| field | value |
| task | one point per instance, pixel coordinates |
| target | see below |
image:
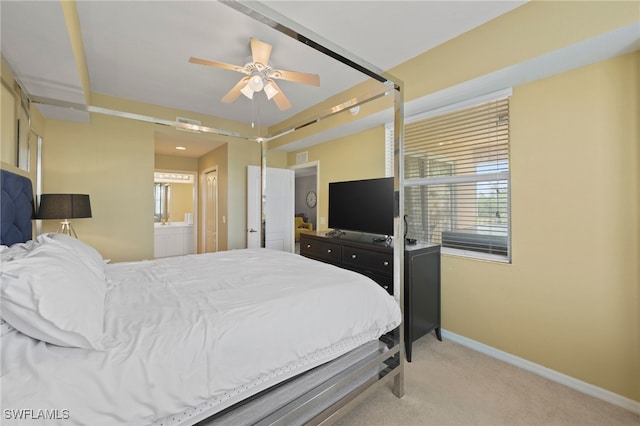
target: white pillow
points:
(84, 252)
(50, 296)
(16, 251)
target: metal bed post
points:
(398, 247)
(284, 25)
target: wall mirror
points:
(16, 126)
(174, 197)
(352, 122)
(351, 96)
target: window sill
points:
(474, 255)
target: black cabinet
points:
(375, 260)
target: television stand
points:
(374, 260)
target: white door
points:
(280, 206)
(211, 212)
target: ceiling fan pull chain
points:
(258, 113)
(253, 124)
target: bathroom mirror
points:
(173, 197)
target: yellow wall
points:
(175, 163)
(241, 154)
(180, 201)
(531, 30)
(112, 160)
(9, 128)
(569, 301)
(358, 156)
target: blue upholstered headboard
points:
(16, 208)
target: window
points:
(457, 180)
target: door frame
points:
(203, 196)
(194, 173)
(283, 218)
(315, 164)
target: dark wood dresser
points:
(375, 260)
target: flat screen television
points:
(362, 205)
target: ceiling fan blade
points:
(233, 94)
(260, 51)
(298, 77)
(217, 64)
(280, 99)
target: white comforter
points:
(195, 331)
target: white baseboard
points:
(555, 376)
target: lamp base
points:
(66, 228)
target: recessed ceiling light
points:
(181, 148)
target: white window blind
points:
(457, 180)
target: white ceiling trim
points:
(618, 42)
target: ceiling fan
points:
(260, 76)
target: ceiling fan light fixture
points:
(256, 83)
(247, 90)
(270, 91)
(259, 75)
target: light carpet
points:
(449, 384)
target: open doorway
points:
(174, 206)
(306, 199)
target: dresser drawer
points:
(384, 281)
(368, 260)
(321, 250)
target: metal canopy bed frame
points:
(318, 396)
(329, 390)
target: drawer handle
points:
(386, 263)
(329, 250)
(308, 245)
(353, 256)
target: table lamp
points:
(64, 206)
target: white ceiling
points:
(139, 50)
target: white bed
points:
(180, 336)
